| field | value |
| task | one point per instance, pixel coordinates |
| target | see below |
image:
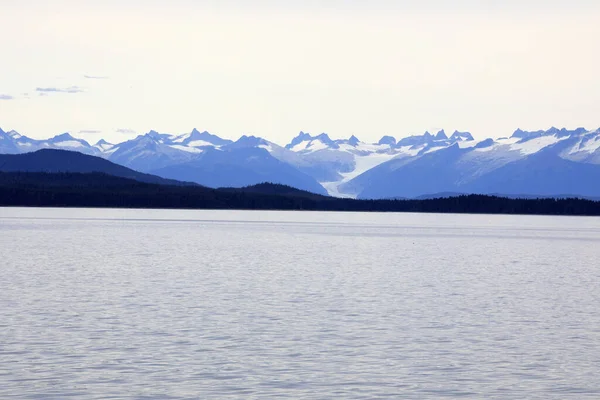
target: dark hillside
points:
(101, 190)
(52, 161)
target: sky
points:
(115, 69)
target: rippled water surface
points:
(98, 304)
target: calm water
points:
(98, 304)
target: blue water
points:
(111, 304)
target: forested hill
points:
(56, 161)
(100, 190)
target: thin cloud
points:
(124, 130)
(95, 77)
(70, 89)
(91, 131)
(6, 97)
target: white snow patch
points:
(185, 148)
(181, 138)
(104, 146)
(591, 145)
(409, 150)
(467, 144)
(267, 147)
(300, 146)
(364, 147)
(310, 146)
(434, 149)
(316, 145)
(200, 143)
(372, 147)
(510, 140)
(69, 143)
(534, 145)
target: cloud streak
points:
(124, 130)
(6, 97)
(92, 131)
(95, 77)
(70, 89)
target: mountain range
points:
(553, 162)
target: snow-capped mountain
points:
(7, 143)
(67, 142)
(550, 162)
(23, 144)
(238, 166)
(104, 147)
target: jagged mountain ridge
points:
(406, 167)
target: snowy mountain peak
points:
(441, 135)
(62, 137)
(159, 137)
(461, 136)
(323, 137)
(302, 137)
(389, 140)
(249, 141)
(14, 134)
(416, 140)
(200, 139)
(553, 131)
(353, 141)
(576, 132)
(527, 135)
(103, 146)
(196, 134)
(304, 142)
(518, 133)
(143, 140)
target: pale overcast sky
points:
(115, 69)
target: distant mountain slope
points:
(52, 161)
(7, 144)
(541, 163)
(410, 177)
(541, 174)
(239, 167)
(148, 152)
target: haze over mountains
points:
(554, 162)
